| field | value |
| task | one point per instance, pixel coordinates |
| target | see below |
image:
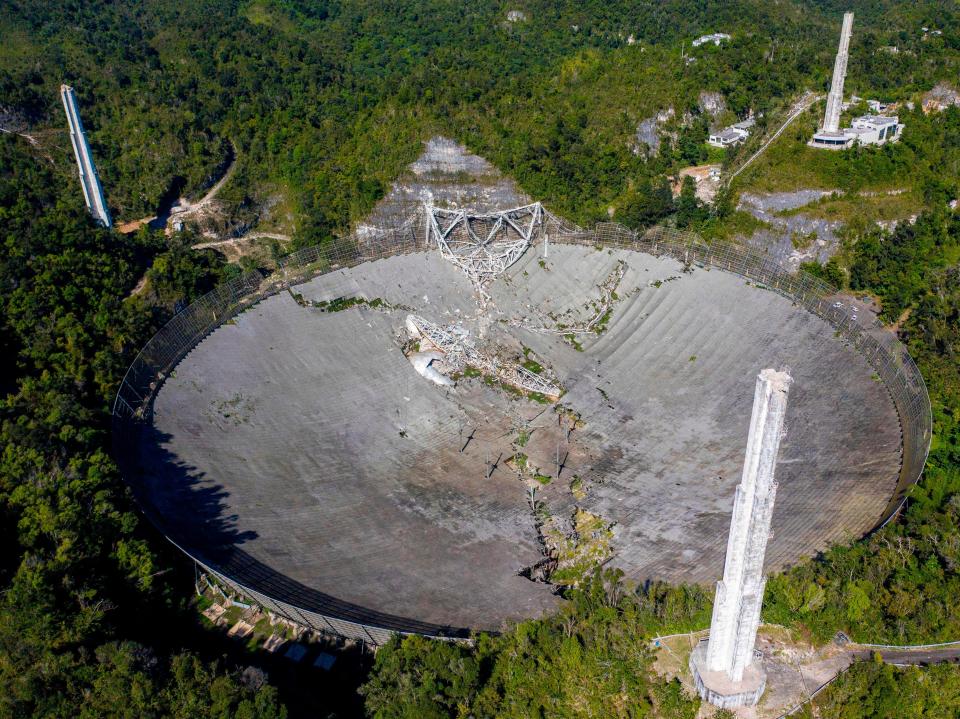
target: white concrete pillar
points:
(831, 118)
(739, 596)
(89, 180)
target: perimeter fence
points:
(132, 409)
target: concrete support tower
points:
(89, 181)
(724, 668)
(831, 118)
(830, 135)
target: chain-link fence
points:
(309, 607)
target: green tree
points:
(689, 209)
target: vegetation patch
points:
(533, 366)
(601, 326)
(735, 224)
(576, 546)
(574, 342)
(803, 240)
(340, 304)
(578, 488)
(862, 211)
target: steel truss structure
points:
(483, 245)
(458, 352)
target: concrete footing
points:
(719, 690)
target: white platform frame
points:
(483, 255)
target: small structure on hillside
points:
(716, 38)
(732, 135)
(727, 137)
(726, 669)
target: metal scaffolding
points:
(458, 353)
(484, 245)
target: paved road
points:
(905, 657)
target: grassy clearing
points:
(789, 165)
(869, 208)
(259, 13)
(736, 224)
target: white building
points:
(716, 38)
(875, 129)
(733, 135)
(727, 137)
(865, 130)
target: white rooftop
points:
(876, 120)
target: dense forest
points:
(323, 104)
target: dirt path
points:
(235, 241)
(233, 248)
(29, 138)
(904, 316)
(218, 185)
(184, 208)
(32, 140)
(141, 285)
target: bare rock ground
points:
(446, 175)
(793, 239)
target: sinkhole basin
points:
(297, 451)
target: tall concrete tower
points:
(831, 118)
(830, 136)
(725, 669)
(89, 181)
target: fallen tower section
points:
(89, 180)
